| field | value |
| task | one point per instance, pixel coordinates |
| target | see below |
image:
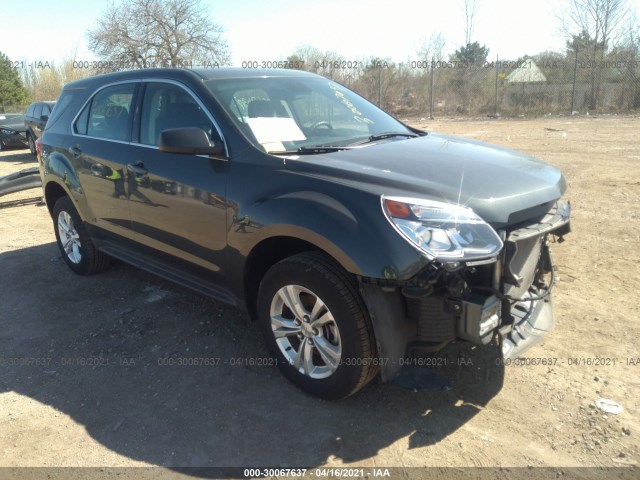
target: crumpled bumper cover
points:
(532, 321)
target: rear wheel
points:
(32, 144)
(74, 241)
(316, 326)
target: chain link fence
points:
(553, 83)
(431, 88)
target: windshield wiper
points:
(382, 136)
(336, 148)
(311, 150)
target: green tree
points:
(472, 54)
(469, 75)
(12, 93)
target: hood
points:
(501, 185)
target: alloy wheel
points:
(305, 331)
(69, 237)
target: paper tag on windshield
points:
(275, 130)
(273, 146)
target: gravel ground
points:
(84, 379)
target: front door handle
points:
(138, 169)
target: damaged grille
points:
(524, 249)
(433, 322)
(521, 264)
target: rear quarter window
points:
(66, 97)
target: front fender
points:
(355, 232)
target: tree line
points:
(602, 48)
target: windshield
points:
(287, 114)
(11, 119)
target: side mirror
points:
(44, 118)
(189, 140)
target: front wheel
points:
(74, 241)
(316, 326)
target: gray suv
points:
(353, 239)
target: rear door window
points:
(108, 114)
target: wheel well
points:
(52, 193)
(262, 258)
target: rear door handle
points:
(138, 169)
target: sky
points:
(272, 29)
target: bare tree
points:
(431, 48)
(628, 54)
(146, 33)
(599, 21)
(470, 10)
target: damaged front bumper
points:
(528, 259)
(510, 296)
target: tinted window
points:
(168, 106)
(60, 106)
(108, 113)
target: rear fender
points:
(56, 168)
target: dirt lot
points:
(81, 383)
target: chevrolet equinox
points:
(349, 236)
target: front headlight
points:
(442, 231)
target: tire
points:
(78, 251)
(326, 349)
(32, 144)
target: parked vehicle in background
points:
(35, 119)
(349, 236)
(12, 130)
